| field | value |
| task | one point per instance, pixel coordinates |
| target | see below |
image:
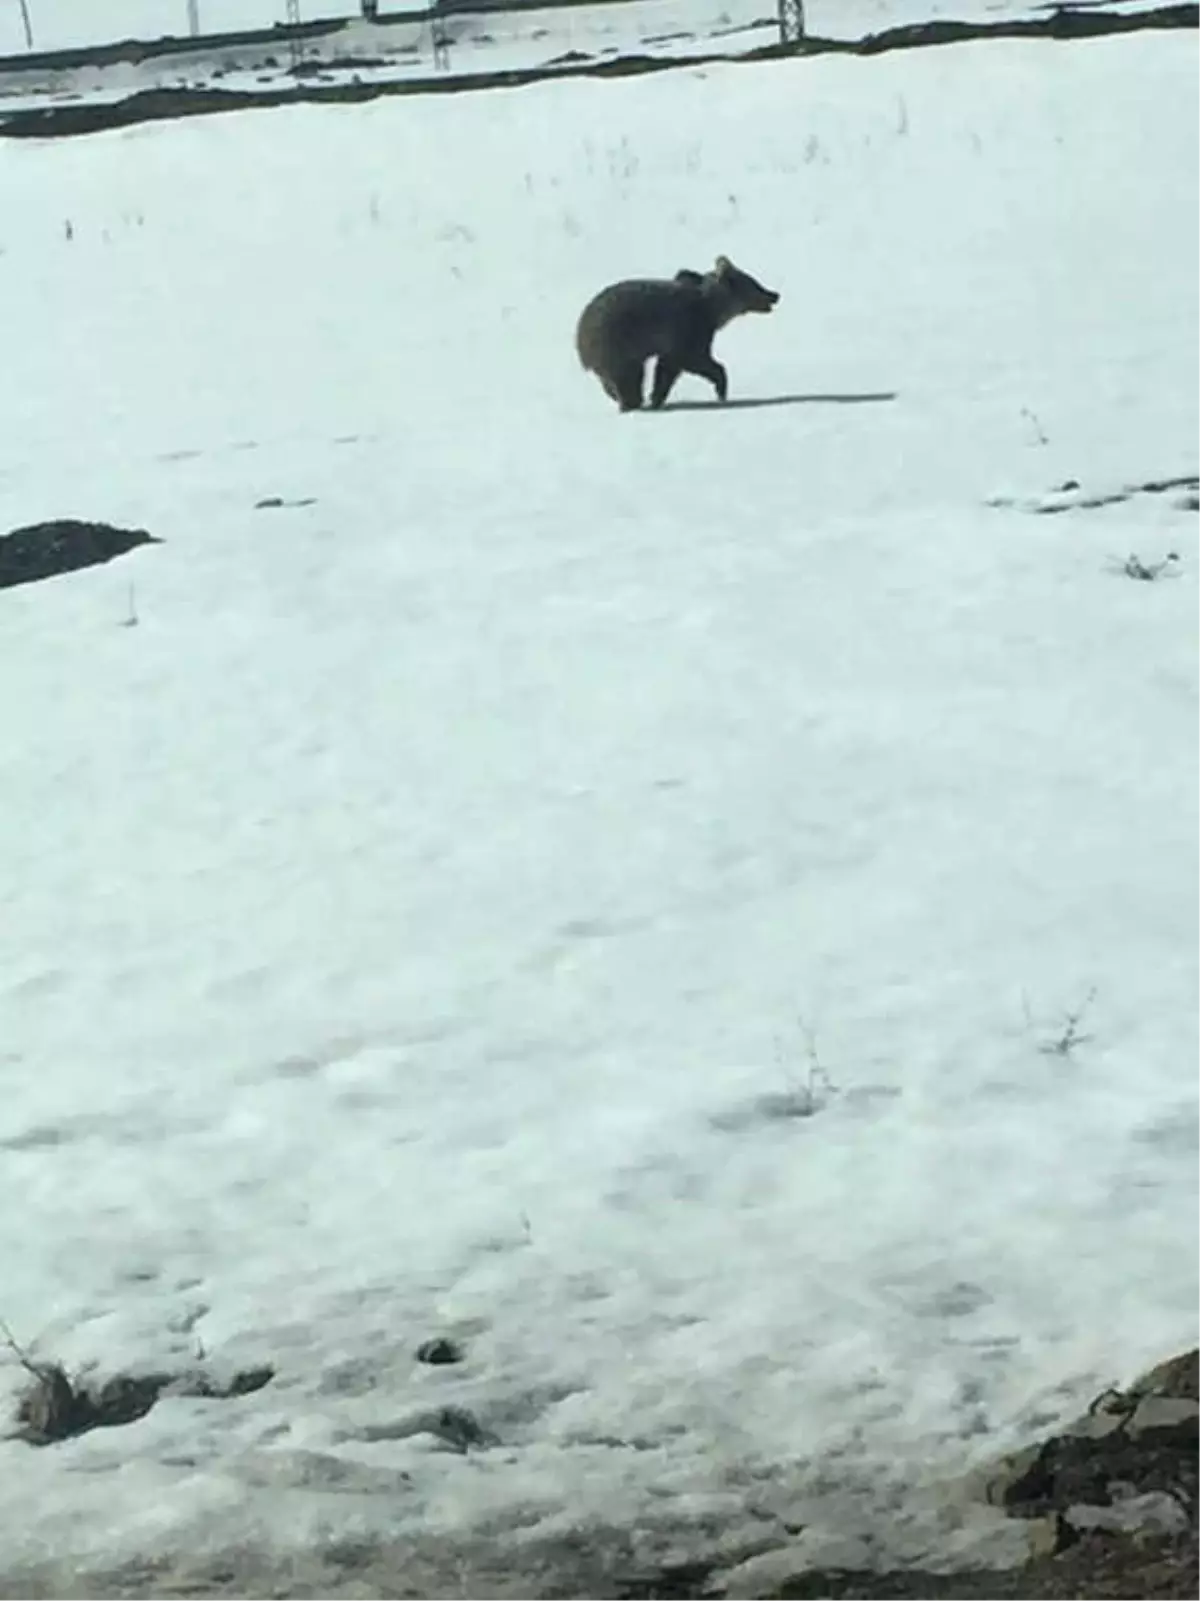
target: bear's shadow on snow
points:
(751, 401)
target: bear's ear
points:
(723, 266)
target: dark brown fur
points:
(671, 319)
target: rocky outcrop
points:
(1112, 1500)
(43, 550)
(1132, 1454)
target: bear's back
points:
(638, 318)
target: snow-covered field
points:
(429, 919)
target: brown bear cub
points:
(673, 319)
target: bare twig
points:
(1071, 1035)
(48, 1409)
(19, 1351)
(817, 1087)
(1037, 427)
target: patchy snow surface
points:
(63, 24)
(428, 917)
(483, 41)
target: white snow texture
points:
(608, 889)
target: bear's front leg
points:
(708, 367)
(666, 370)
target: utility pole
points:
(791, 21)
(28, 25)
(441, 39)
(194, 17)
(292, 20)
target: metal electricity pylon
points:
(441, 43)
(791, 21)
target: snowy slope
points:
(428, 917)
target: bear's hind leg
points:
(627, 383)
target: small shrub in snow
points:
(1070, 1034)
(49, 1409)
(801, 1098)
(1134, 567)
(53, 1408)
(804, 1099)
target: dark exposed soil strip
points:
(44, 550)
(160, 104)
(54, 1409)
(1049, 506)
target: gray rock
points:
(1156, 1513)
(1162, 1412)
(43, 550)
